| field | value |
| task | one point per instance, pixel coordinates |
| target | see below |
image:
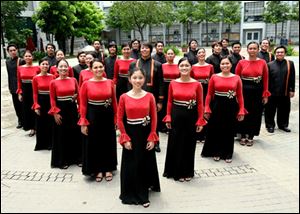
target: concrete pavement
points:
(262, 178)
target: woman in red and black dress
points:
(254, 74)
(98, 118)
(53, 70)
(41, 106)
(170, 72)
(66, 145)
(88, 73)
(25, 74)
(137, 123)
(224, 105)
(121, 70)
(184, 118)
(202, 72)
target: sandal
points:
(31, 134)
(216, 158)
(181, 179)
(243, 141)
(188, 179)
(250, 143)
(99, 177)
(108, 176)
(228, 160)
(145, 205)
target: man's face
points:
(97, 45)
(112, 50)
(145, 51)
(12, 51)
(236, 48)
(50, 50)
(159, 48)
(280, 54)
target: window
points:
(254, 11)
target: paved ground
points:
(262, 178)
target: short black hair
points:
(79, 53)
(226, 57)
(183, 59)
(131, 71)
(281, 46)
(11, 45)
(51, 44)
(236, 43)
(43, 59)
(192, 40)
(149, 45)
(159, 42)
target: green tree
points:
(114, 18)
(231, 14)
(276, 12)
(168, 16)
(56, 18)
(88, 22)
(11, 25)
(212, 13)
(294, 15)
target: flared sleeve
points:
(240, 98)
(210, 94)
(19, 90)
(201, 121)
(83, 105)
(54, 109)
(265, 76)
(153, 137)
(35, 94)
(121, 112)
(167, 118)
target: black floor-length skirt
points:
(220, 128)
(252, 93)
(121, 86)
(44, 124)
(138, 167)
(181, 146)
(28, 113)
(67, 141)
(100, 146)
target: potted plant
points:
(184, 48)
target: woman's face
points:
(88, 59)
(201, 54)
(145, 51)
(28, 58)
(194, 45)
(225, 65)
(81, 58)
(170, 56)
(185, 68)
(252, 49)
(137, 79)
(126, 51)
(59, 55)
(62, 69)
(98, 69)
(135, 45)
(217, 49)
(44, 66)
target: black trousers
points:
(18, 107)
(281, 104)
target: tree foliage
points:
(12, 26)
(276, 12)
(231, 13)
(295, 11)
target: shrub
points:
(37, 55)
(174, 48)
(290, 51)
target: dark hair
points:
(95, 60)
(226, 57)
(63, 59)
(112, 44)
(92, 53)
(148, 44)
(11, 45)
(265, 40)
(58, 51)
(28, 51)
(135, 40)
(97, 40)
(183, 59)
(51, 44)
(201, 49)
(135, 69)
(216, 43)
(159, 42)
(281, 46)
(192, 40)
(227, 40)
(79, 53)
(43, 59)
(253, 42)
(236, 43)
(125, 44)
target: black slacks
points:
(18, 107)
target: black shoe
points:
(286, 129)
(157, 148)
(19, 126)
(270, 130)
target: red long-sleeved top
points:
(202, 72)
(121, 67)
(62, 88)
(225, 84)
(26, 73)
(86, 75)
(134, 109)
(185, 91)
(96, 91)
(170, 71)
(254, 68)
(53, 70)
(40, 83)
